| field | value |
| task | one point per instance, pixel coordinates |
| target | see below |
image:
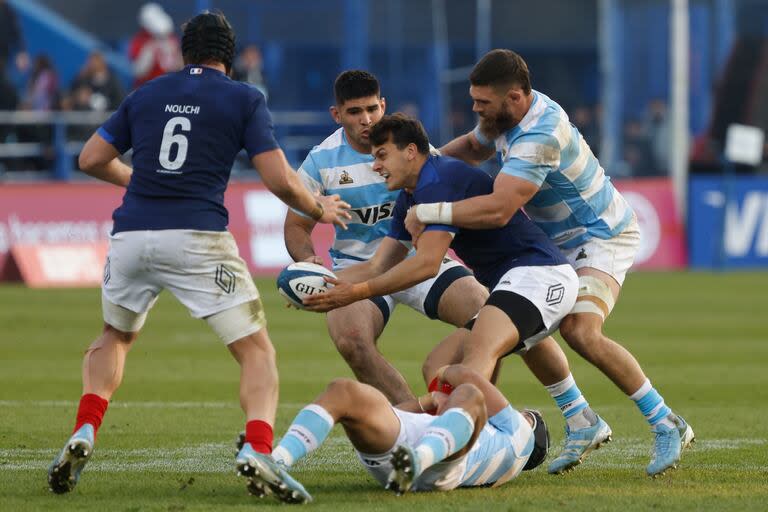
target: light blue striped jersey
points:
(577, 201)
(335, 167)
(501, 450)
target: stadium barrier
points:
(36, 220)
(60, 265)
(662, 235)
(50, 215)
(728, 222)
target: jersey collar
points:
(206, 69)
(428, 173)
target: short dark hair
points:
(403, 129)
(354, 84)
(208, 37)
(501, 68)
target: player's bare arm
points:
(466, 147)
(389, 253)
(423, 265)
(494, 210)
(297, 231)
(282, 181)
(100, 159)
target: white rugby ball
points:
(302, 279)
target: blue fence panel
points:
(728, 222)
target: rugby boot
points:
(265, 477)
(578, 444)
(669, 445)
(65, 469)
(405, 469)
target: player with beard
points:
(549, 168)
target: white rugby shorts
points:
(202, 269)
(613, 256)
(552, 289)
(418, 296)
(443, 476)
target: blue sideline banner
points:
(728, 222)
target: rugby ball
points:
(299, 280)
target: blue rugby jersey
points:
(490, 253)
(577, 201)
(335, 167)
(185, 129)
(501, 451)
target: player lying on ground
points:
(171, 230)
(532, 285)
(342, 164)
(476, 439)
(549, 168)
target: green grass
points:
(166, 442)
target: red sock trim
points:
(444, 387)
(259, 434)
(91, 410)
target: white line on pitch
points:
(336, 455)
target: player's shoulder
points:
(335, 151)
(453, 170)
(544, 123)
(333, 143)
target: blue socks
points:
(571, 402)
(651, 405)
(446, 435)
(308, 431)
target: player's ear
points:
(412, 150)
(514, 95)
(383, 103)
(335, 114)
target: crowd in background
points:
(154, 49)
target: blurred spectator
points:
(40, 94)
(11, 44)
(656, 125)
(585, 119)
(248, 68)
(155, 49)
(96, 84)
(42, 91)
(637, 155)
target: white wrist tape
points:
(435, 213)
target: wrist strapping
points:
(435, 213)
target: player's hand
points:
(334, 210)
(343, 293)
(414, 226)
(439, 400)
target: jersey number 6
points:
(169, 139)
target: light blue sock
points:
(571, 402)
(307, 432)
(651, 405)
(446, 435)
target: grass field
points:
(167, 439)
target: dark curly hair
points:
(354, 84)
(403, 130)
(208, 37)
